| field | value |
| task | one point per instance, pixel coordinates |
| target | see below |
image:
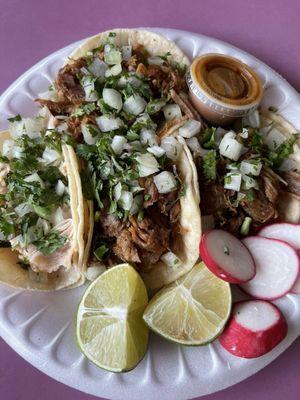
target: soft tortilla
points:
(288, 204)
(155, 44)
(11, 272)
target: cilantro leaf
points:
(50, 243)
(209, 166)
(100, 252)
(17, 118)
(284, 150)
(208, 139)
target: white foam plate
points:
(40, 326)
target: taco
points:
(123, 95)
(249, 173)
(41, 231)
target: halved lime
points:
(110, 330)
(192, 310)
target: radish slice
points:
(254, 329)
(277, 268)
(289, 233)
(226, 256)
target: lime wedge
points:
(110, 330)
(192, 310)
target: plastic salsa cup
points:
(223, 88)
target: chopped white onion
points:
(113, 71)
(194, 145)
(249, 182)
(35, 178)
(98, 68)
(113, 98)
(135, 104)
(251, 167)
(190, 128)
(88, 85)
(31, 127)
(157, 151)
(155, 106)
(107, 48)
(172, 147)
(230, 147)
(49, 156)
(219, 133)
(118, 144)
(87, 135)
(107, 124)
(233, 181)
(155, 60)
(252, 119)
(126, 52)
(288, 164)
(172, 111)
(165, 182)
(145, 119)
(44, 224)
(126, 200)
(23, 209)
(94, 271)
(171, 260)
(131, 79)
(49, 95)
(60, 188)
(233, 166)
(62, 127)
(136, 204)
(10, 150)
(113, 57)
(117, 191)
(244, 134)
(147, 164)
(147, 136)
(57, 217)
(274, 139)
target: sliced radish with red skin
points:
(289, 233)
(226, 256)
(277, 268)
(254, 329)
(285, 231)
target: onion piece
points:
(249, 182)
(107, 123)
(230, 147)
(137, 204)
(126, 200)
(113, 71)
(244, 134)
(157, 151)
(57, 217)
(288, 164)
(147, 136)
(172, 147)
(147, 164)
(88, 84)
(118, 144)
(113, 98)
(117, 191)
(44, 224)
(252, 119)
(274, 139)
(88, 132)
(233, 181)
(126, 52)
(35, 178)
(49, 156)
(194, 145)
(60, 188)
(190, 128)
(172, 111)
(165, 182)
(23, 209)
(113, 57)
(98, 68)
(10, 150)
(134, 105)
(155, 60)
(171, 260)
(251, 167)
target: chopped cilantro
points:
(15, 119)
(112, 34)
(50, 243)
(282, 152)
(273, 109)
(208, 139)
(209, 166)
(86, 109)
(100, 252)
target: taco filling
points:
(245, 172)
(123, 106)
(35, 215)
